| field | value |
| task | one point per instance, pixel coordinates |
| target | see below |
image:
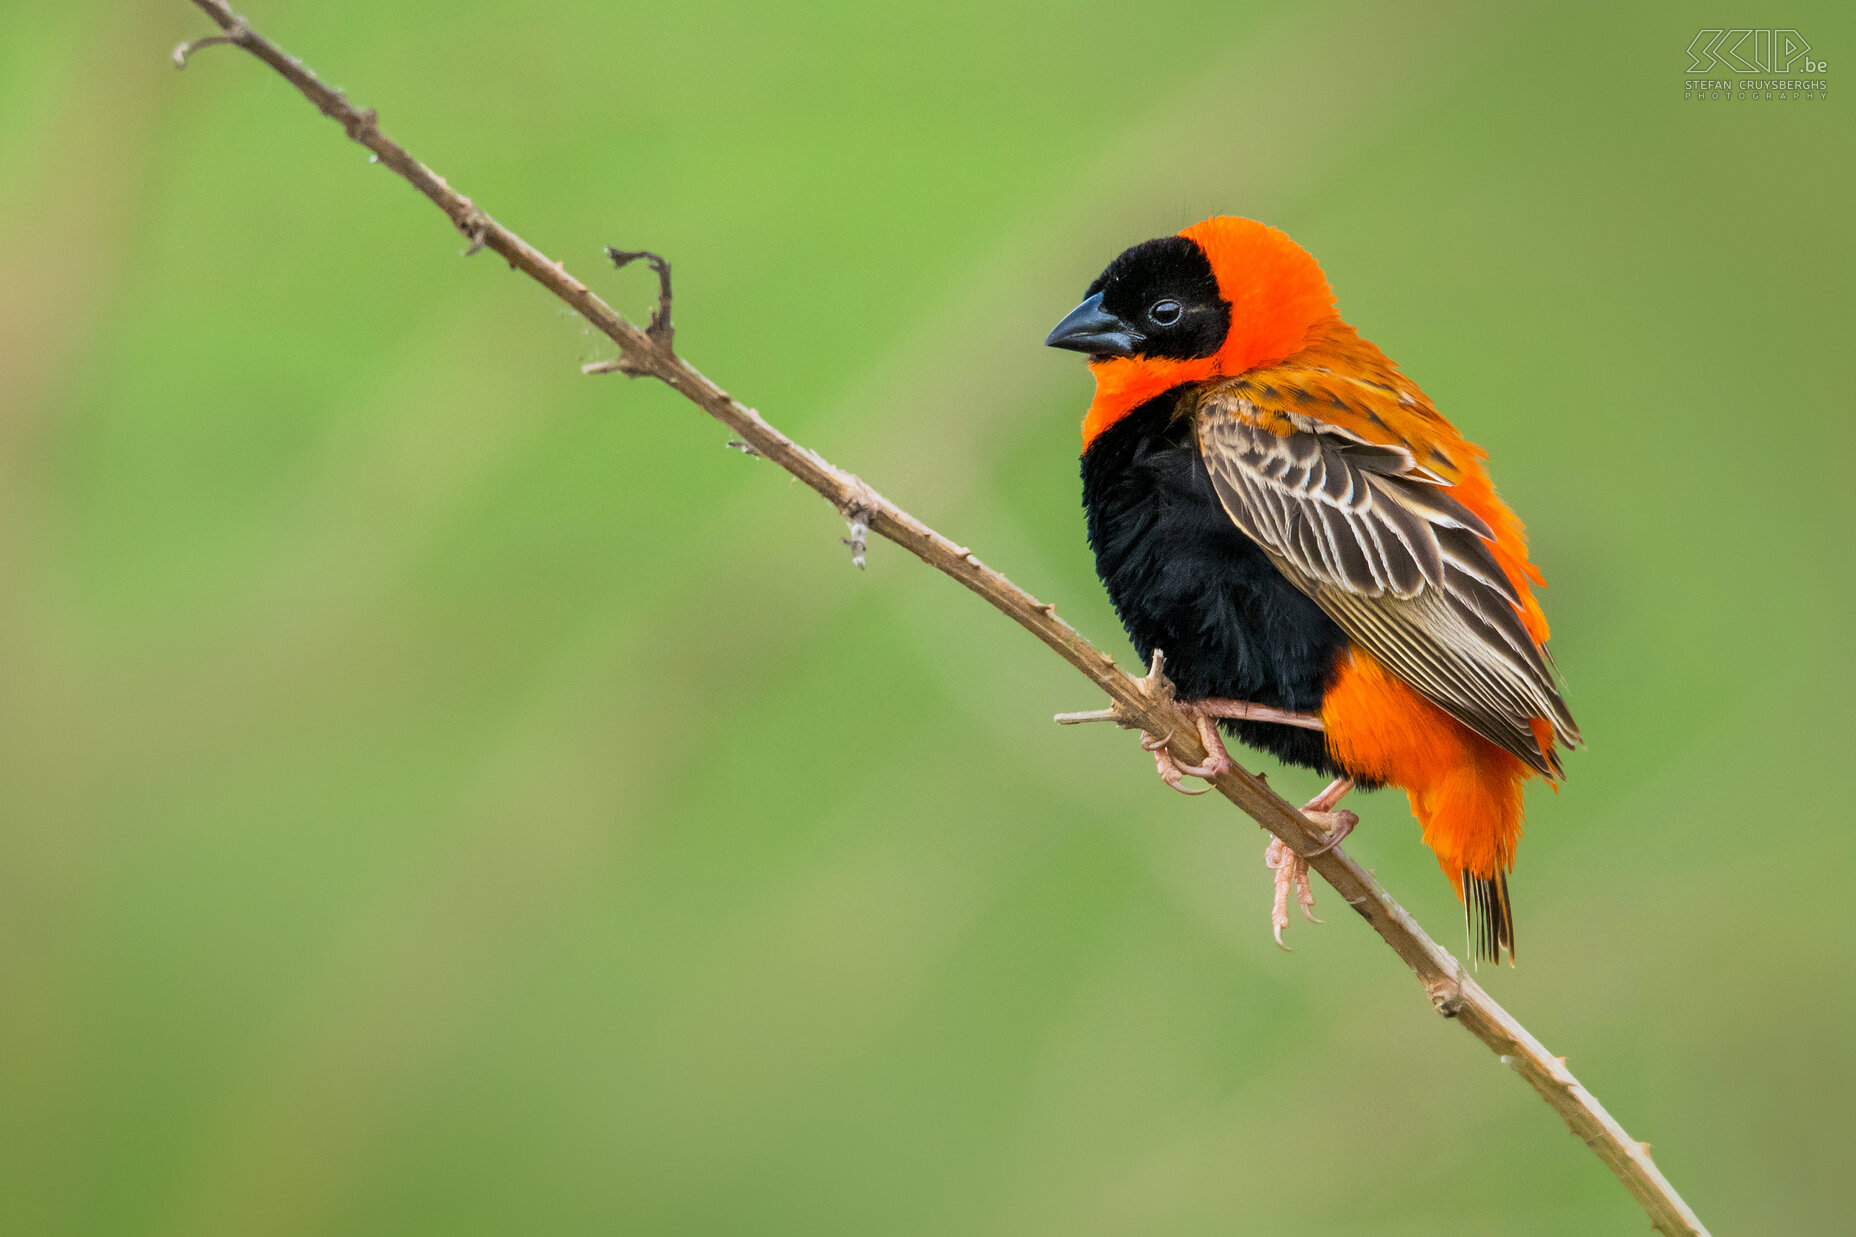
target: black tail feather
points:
(1490, 917)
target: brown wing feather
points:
(1384, 549)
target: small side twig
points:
(658, 329)
(236, 33)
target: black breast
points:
(1184, 580)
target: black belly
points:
(1184, 580)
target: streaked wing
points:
(1392, 557)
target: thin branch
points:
(1144, 703)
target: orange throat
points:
(1125, 383)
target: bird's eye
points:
(1165, 313)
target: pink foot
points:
(1217, 759)
(1291, 869)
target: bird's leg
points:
(1320, 810)
(1291, 869)
(1245, 711)
(1217, 759)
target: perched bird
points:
(1319, 554)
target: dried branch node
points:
(476, 229)
(361, 124)
(1446, 993)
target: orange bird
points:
(1320, 555)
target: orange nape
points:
(1464, 790)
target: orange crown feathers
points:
(1276, 289)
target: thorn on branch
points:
(236, 35)
(361, 124)
(659, 329)
(1446, 994)
(1154, 684)
(746, 448)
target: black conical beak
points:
(1094, 330)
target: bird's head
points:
(1219, 299)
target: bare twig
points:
(1142, 703)
(237, 32)
(659, 328)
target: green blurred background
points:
(443, 793)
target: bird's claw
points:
(1291, 869)
(1291, 874)
(1337, 825)
(1171, 771)
(1217, 760)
